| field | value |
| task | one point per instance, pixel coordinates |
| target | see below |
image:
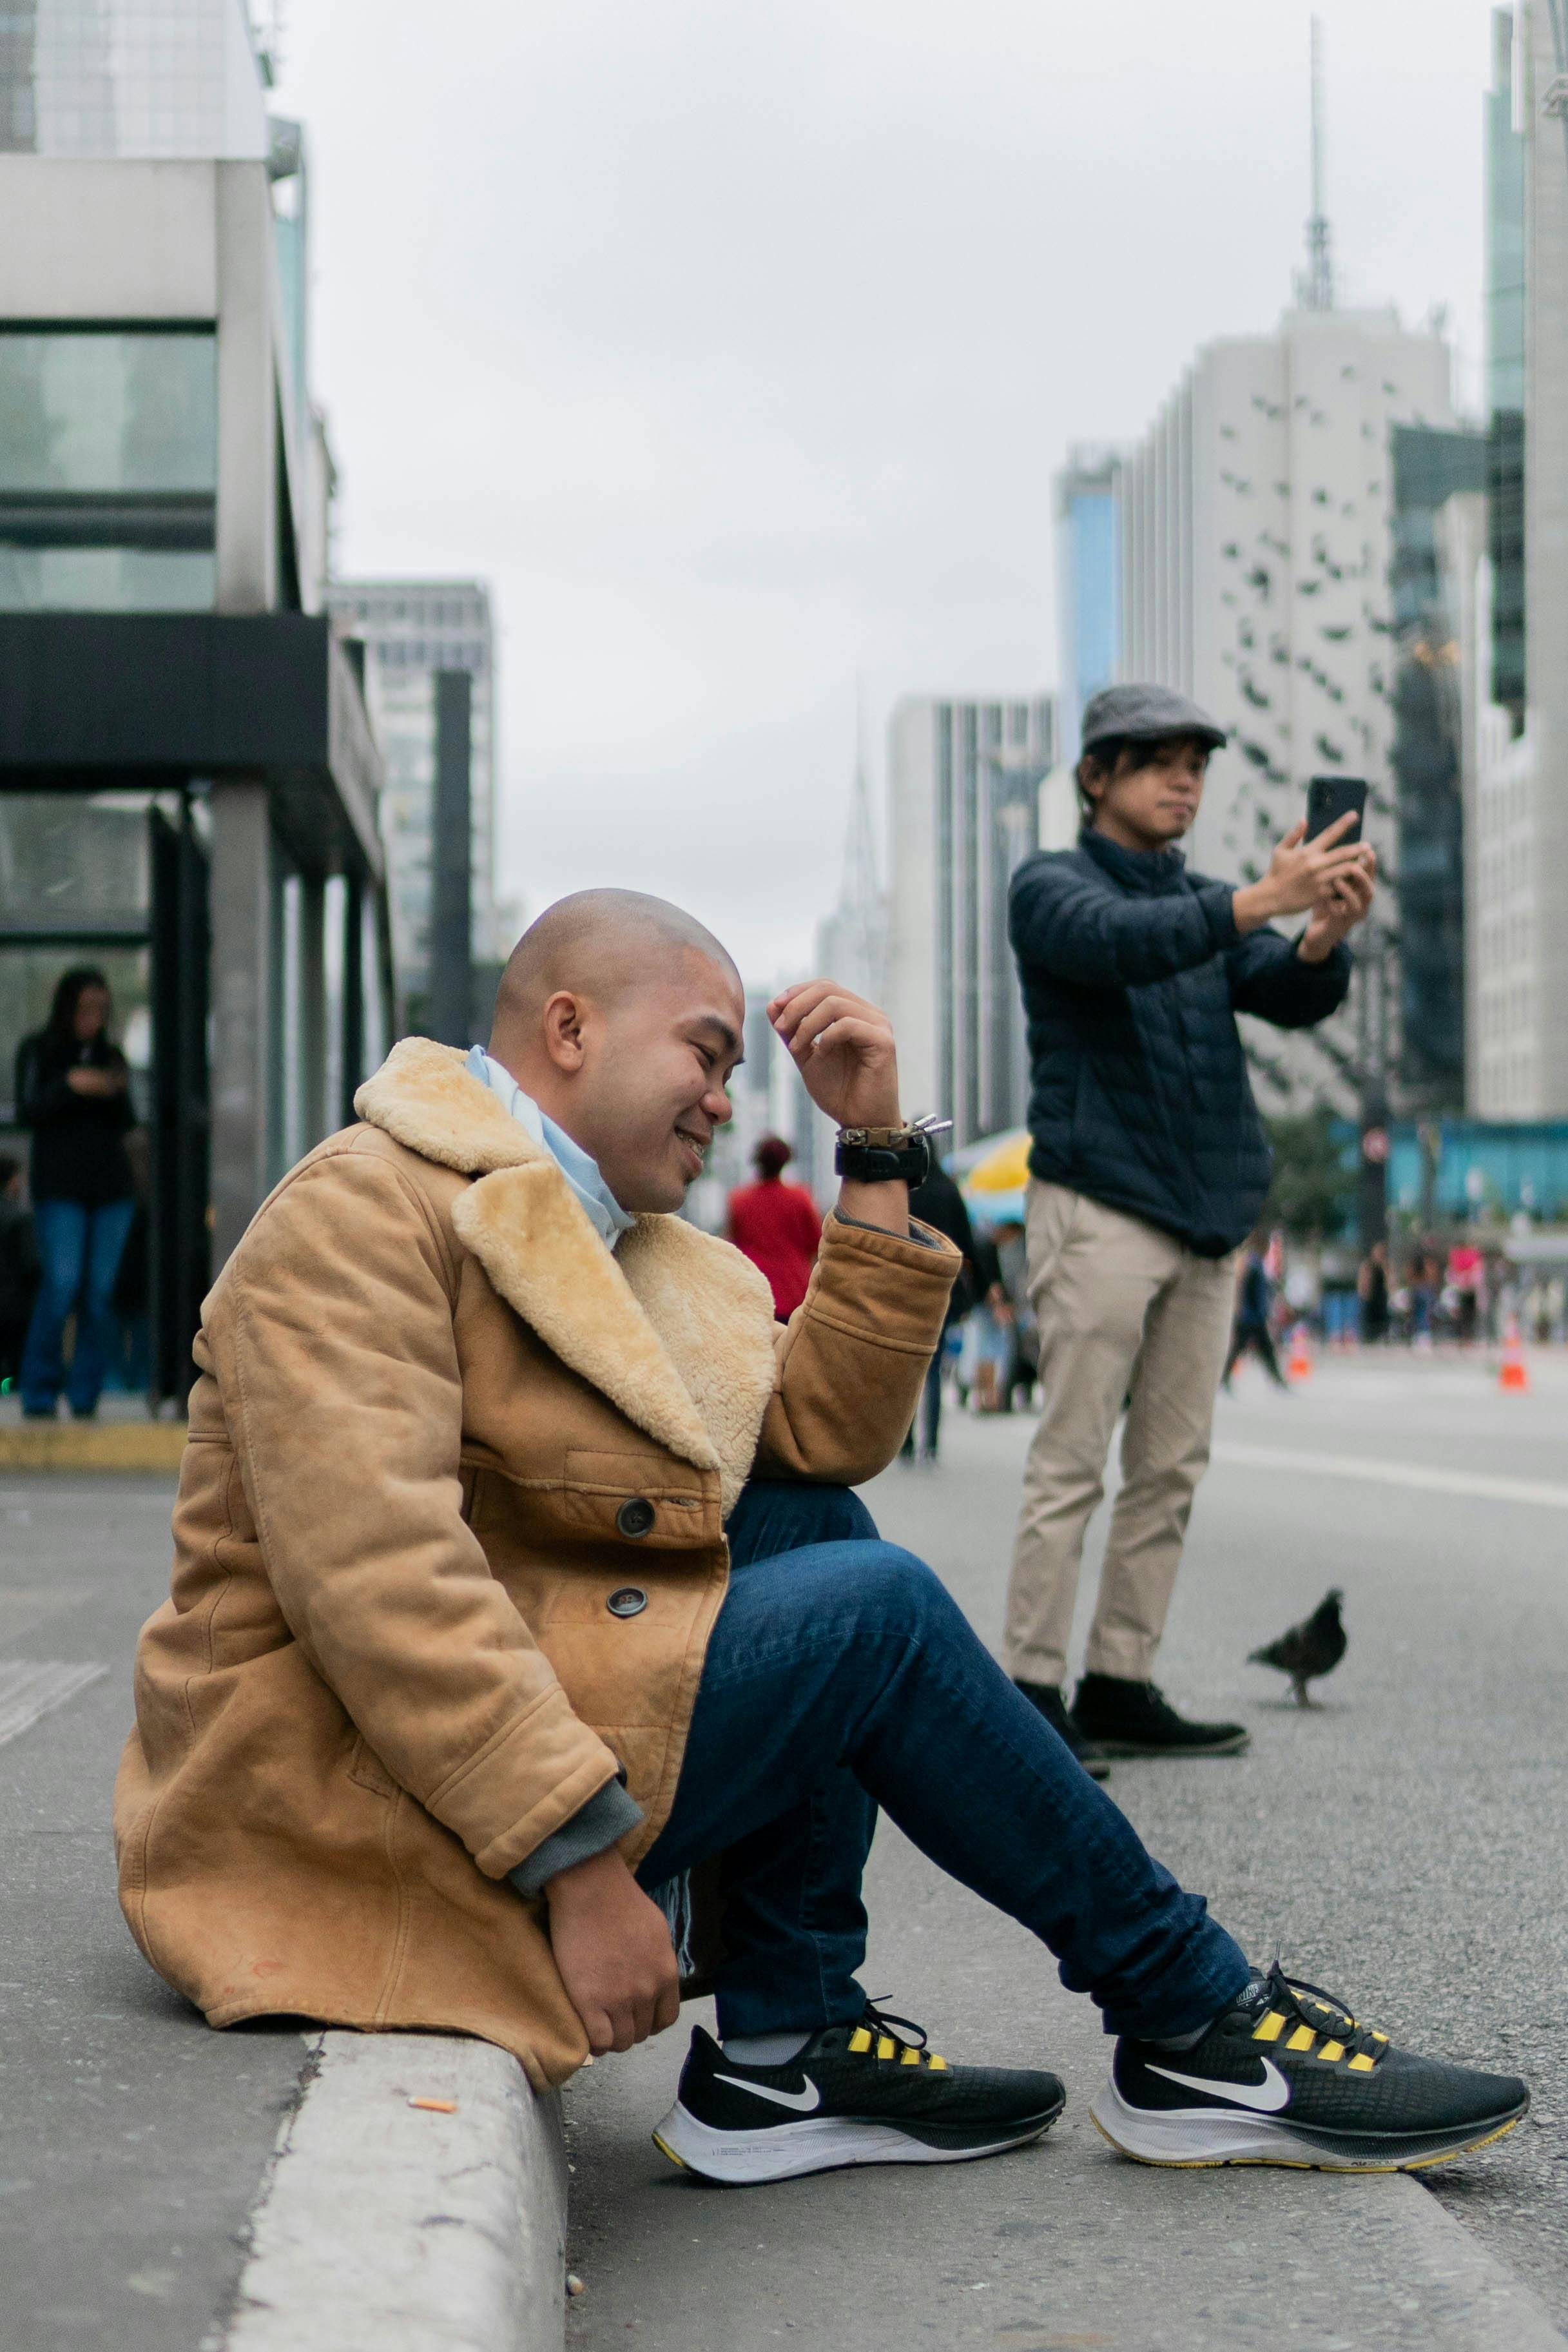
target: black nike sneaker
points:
(1289, 2078)
(866, 2094)
(1048, 1699)
(1119, 1718)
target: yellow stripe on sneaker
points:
(884, 2045)
(910, 2058)
(1361, 2063)
(859, 2040)
(1269, 2028)
(937, 2065)
(1302, 2038)
(1332, 2051)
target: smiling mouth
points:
(696, 1145)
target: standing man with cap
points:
(1148, 1167)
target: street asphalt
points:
(132, 2139)
(1402, 1842)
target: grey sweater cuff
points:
(863, 1225)
(609, 1813)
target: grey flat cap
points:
(1146, 712)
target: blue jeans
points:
(79, 1250)
(841, 1676)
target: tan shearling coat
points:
(386, 1671)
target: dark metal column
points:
(353, 995)
(451, 921)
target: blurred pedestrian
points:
(1467, 1280)
(1148, 1165)
(1425, 1283)
(939, 1203)
(1023, 1359)
(1253, 1329)
(1372, 1295)
(18, 1270)
(776, 1225)
(73, 1092)
(987, 1336)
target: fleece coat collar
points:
(676, 1329)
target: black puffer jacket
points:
(1132, 974)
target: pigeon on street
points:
(1313, 1647)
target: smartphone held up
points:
(1332, 797)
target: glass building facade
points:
(109, 449)
(1429, 466)
(1505, 329)
(127, 77)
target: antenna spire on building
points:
(861, 901)
(1315, 287)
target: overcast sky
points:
(736, 341)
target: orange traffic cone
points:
(1513, 1372)
(1300, 1367)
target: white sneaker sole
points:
(1207, 2135)
(825, 2144)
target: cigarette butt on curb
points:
(435, 2106)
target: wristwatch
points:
(888, 1155)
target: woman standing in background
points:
(73, 1095)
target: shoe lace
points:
(1320, 2012)
(898, 2039)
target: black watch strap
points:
(882, 1155)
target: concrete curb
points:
(93, 1446)
(1476, 2304)
(384, 2227)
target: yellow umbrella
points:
(991, 1176)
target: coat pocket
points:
(636, 1499)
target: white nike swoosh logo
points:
(802, 2101)
(1269, 2095)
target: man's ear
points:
(562, 1028)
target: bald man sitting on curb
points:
(517, 1575)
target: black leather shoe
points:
(1047, 1698)
(1128, 1719)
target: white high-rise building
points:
(1516, 914)
(964, 779)
(1255, 541)
(410, 630)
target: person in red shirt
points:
(776, 1225)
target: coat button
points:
(629, 1602)
(636, 1516)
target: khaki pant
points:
(1125, 1310)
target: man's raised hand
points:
(1346, 902)
(1304, 873)
(843, 1048)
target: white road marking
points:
(30, 1688)
(1425, 1477)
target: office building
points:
(1517, 601)
(1088, 584)
(1430, 467)
(411, 629)
(964, 781)
(188, 780)
(1257, 539)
